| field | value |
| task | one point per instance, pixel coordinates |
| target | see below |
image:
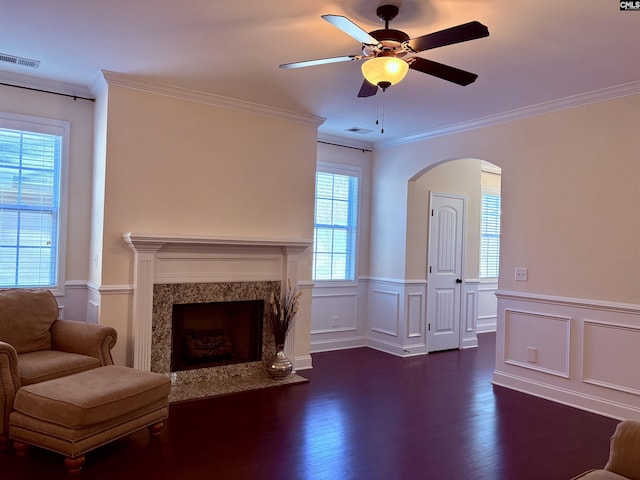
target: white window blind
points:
(335, 226)
(30, 167)
(490, 236)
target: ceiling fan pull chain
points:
(382, 123)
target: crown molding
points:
(573, 101)
(127, 81)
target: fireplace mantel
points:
(154, 242)
(167, 259)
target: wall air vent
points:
(359, 130)
(25, 62)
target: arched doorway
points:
(477, 183)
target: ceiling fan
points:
(388, 52)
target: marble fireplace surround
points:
(167, 295)
(202, 269)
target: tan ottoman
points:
(74, 414)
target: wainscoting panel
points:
(487, 306)
(415, 315)
(334, 312)
(579, 352)
(338, 317)
(469, 314)
(396, 312)
(537, 341)
(385, 312)
(603, 365)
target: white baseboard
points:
(302, 363)
(398, 351)
(486, 325)
(589, 403)
(469, 342)
(318, 346)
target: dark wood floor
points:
(364, 415)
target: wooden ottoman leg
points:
(156, 428)
(74, 465)
(20, 448)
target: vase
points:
(279, 366)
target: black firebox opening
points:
(217, 333)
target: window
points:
(30, 185)
(490, 236)
(334, 246)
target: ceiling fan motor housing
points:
(391, 40)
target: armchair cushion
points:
(36, 367)
(26, 317)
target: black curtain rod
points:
(75, 97)
(345, 146)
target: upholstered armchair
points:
(36, 346)
(624, 455)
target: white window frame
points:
(488, 191)
(352, 171)
(49, 126)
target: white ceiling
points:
(538, 51)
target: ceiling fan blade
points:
(350, 28)
(367, 89)
(321, 61)
(439, 70)
(448, 36)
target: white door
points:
(444, 284)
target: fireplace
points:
(178, 269)
(216, 333)
(170, 269)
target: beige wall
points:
(570, 198)
(460, 177)
(490, 180)
(183, 167)
(175, 166)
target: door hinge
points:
(428, 327)
(429, 268)
(432, 212)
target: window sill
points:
(335, 283)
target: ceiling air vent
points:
(359, 130)
(25, 62)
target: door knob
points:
(458, 280)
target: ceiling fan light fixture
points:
(384, 71)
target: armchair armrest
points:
(625, 445)
(84, 338)
(9, 385)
